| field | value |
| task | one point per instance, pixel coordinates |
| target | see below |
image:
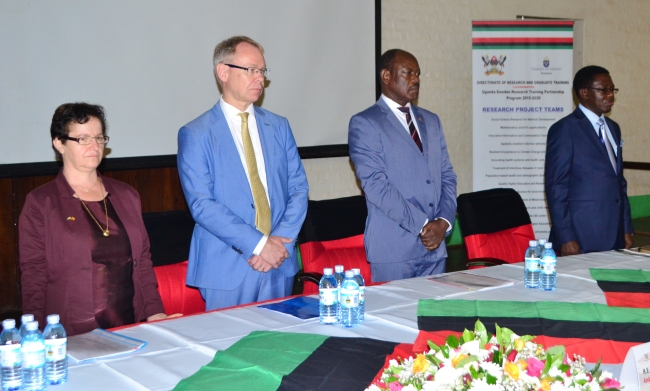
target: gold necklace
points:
(106, 232)
(91, 187)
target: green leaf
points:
(466, 361)
(497, 357)
(548, 364)
(474, 373)
(445, 351)
(433, 359)
(491, 379)
(498, 332)
(467, 336)
(527, 338)
(452, 341)
(480, 330)
(433, 346)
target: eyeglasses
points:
(605, 91)
(252, 71)
(86, 140)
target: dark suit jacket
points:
(55, 255)
(587, 200)
(403, 186)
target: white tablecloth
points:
(177, 348)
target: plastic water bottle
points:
(339, 276)
(349, 303)
(362, 293)
(329, 298)
(11, 359)
(540, 246)
(548, 278)
(56, 351)
(33, 355)
(23, 323)
(531, 265)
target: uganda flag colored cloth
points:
(588, 329)
(269, 360)
(624, 288)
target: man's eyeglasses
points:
(252, 71)
(85, 140)
(605, 91)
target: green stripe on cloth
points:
(620, 275)
(256, 362)
(586, 312)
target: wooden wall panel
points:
(159, 189)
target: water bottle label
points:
(328, 296)
(548, 267)
(33, 356)
(362, 294)
(56, 349)
(349, 298)
(532, 264)
(11, 356)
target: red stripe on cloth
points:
(508, 245)
(611, 352)
(540, 41)
(628, 299)
(402, 350)
(519, 23)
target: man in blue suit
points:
(245, 186)
(400, 156)
(585, 188)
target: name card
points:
(635, 375)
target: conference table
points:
(177, 348)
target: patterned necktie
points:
(414, 133)
(262, 209)
(605, 141)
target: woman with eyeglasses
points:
(84, 250)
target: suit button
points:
(428, 181)
(431, 204)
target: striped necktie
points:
(605, 141)
(414, 133)
(262, 209)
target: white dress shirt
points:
(234, 123)
(593, 118)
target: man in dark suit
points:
(585, 188)
(245, 186)
(400, 156)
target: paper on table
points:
(470, 281)
(100, 343)
(300, 307)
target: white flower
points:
(555, 372)
(481, 385)
(373, 387)
(605, 375)
(493, 369)
(472, 348)
(410, 387)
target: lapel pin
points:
(71, 218)
(419, 118)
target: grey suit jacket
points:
(403, 186)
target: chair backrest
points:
(332, 234)
(495, 224)
(170, 235)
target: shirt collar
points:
(392, 104)
(230, 111)
(591, 116)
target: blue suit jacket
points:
(587, 200)
(403, 186)
(221, 202)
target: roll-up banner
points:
(522, 76)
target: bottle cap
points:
(338, 268)
(548, 245)
(26, 318)
(8, 324)
(327, 271)
(542, 241)
(356, 271)
(349, 273)
(532, 243)
(33, 325)
(53, 319)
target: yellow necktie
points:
(262, 209)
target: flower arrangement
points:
(501, 362)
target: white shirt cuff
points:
(258, 249)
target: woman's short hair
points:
(78, 113)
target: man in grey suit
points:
(400, 156)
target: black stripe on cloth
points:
(345, 364)
(632, 287)
(624, 332)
